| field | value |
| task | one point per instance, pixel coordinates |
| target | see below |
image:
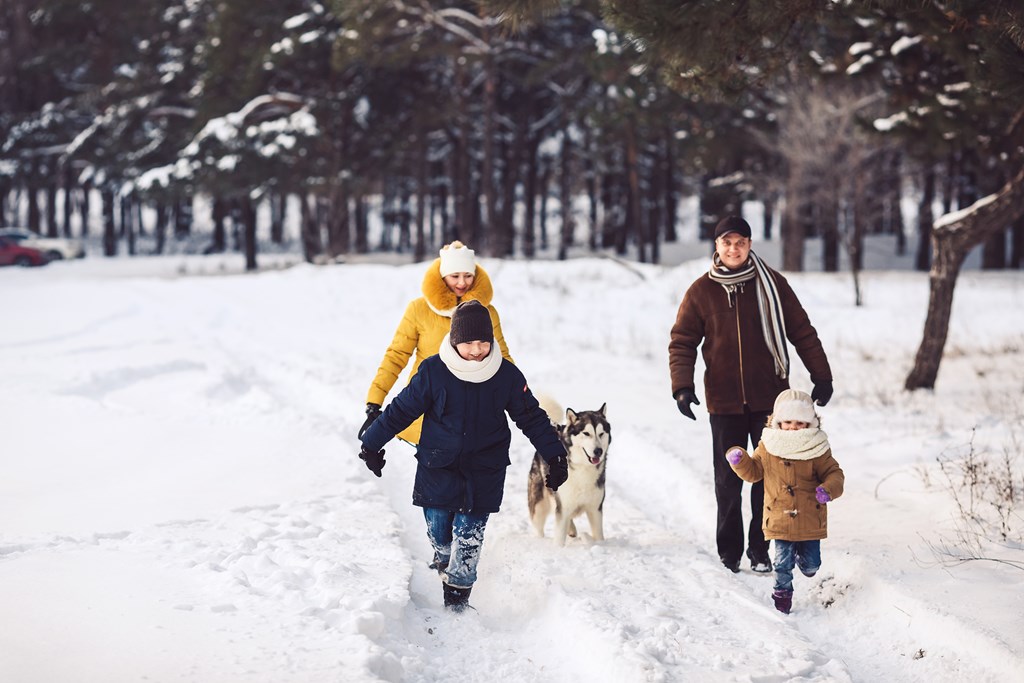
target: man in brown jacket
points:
(741, 313)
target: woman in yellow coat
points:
(452, 278)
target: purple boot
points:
(783, 600)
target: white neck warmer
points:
(475, 371)
(796, 444)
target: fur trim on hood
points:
(443, 301)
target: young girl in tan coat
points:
(800, 477)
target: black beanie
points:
(471, 322)
(732, 224)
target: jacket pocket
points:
(435, 458)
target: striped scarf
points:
(769, 305)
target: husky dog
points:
(586, 436)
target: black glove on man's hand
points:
(558, 472)
(821, 393)
(374, 461)
(372, 413)
(684, 397)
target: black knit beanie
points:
(471, 322)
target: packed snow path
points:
(182, 499)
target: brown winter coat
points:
(739, 366)
(791, 512)
(423, 326)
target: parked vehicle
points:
(54, 247)
(13, 254)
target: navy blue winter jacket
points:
(463, 451)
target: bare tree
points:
(826, 154)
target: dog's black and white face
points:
(587, 435)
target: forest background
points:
(518, 126)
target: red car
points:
(11, 254)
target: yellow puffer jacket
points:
(423, 326)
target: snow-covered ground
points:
(181, 499)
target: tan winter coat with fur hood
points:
(791, 512)
(423, 326)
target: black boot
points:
(456, 599)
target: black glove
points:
(684, 397)
(374, 461)
(558, 472)
(372, 413)
(821, 393)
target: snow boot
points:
(761, 564)
(456, 599)
(783, 600)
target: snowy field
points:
(181, 499)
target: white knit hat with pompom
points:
(794, 406)
(457, 258)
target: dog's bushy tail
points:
(552, 408)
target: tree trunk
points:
(565, 197)
(1017, 244)
(182, 218)
(249, 219)
(218, 213)
(462, 162)
(69, 201)
(485, 236)
(671, 197)
(952, 240)
(443, 198)
(278, 204)
(590, 182)
(422, 193)
(530, 197)
(829, 226)
(128, 223)
(893, 204)
(309, 230)
(32, 195)
(161, 227)
(109, 228)
(504, 231)
(792, 229)
(51, 208)
(769, 217)
(545, 183)
(637, 225)
(718, 198)
(86, 207)
(362, 237)
(655, 198)
(925, 219)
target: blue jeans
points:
(456, 538)
(803, 554)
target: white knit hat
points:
(457, 258)
(794, 406)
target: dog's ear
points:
(603, 410)
(570, 416)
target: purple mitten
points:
(822, 495)
(734, 455)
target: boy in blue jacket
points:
(463, 394)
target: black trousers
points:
(728, 431)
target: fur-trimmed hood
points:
(443, 301)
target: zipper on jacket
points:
(739, 345)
